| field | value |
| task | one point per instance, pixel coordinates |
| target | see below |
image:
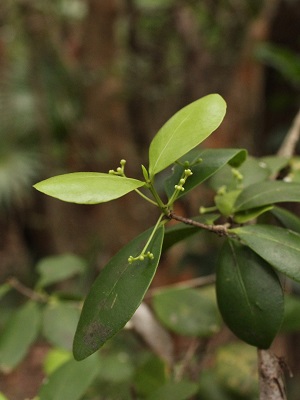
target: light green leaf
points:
(55, 358)
(71, 380)
(278, 246)
(249, 294)
(116, 294)
(185, 130)
(59, 323)
(87, 187)
(264, 193)
(2, 397)
(245, 216)
(55, 269)
(20, 332)
(189, 312)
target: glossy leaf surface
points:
(249, 295)
(71, 380)
(116, 294)
(185, 130)
(278, 246)
(18, 335)
(212, 161)
(263, 193)
(87, 187)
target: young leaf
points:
(263, 193)
(249, 294)
(87, 187)
(55, 269)
(71, 380)
(212, 161)
(20, 332)
(116, 294)
(288, 219)
(185, 130)
(278, 246)
(245, 216)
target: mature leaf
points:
(71, 380)
(278, 246)
(212, 161)
(225, 201)
(116, 294)
(55, 358)
(20, 332)
(57, 268)
(59, 323)
(151, 375)
(183, 390)
(181, 231)
(252, 171)
(288, 219)
(185, 130)
(275, 163)
(87, 187)
(249, 295)
(270, 192)
(189, 312)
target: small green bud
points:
(141, 257)
(186, 164)
(119, 169)
(122, 162)
(130, 259)
(111, 171)
(182, 181)
(188, 172)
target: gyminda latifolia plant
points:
(253, 257)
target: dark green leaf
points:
(278, 246)
(275, 163)
(249, 295)
(55, 269)
(189, 312)
(252, 171)
(20, 332)
(264, 193)
(71, 380)
(87, 187)
(116, 294)
(150, 376)
(185, 130)
(212, 161)
(181, 231)
(59, 323)
(288, 219)
(291, 321)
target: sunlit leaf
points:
(278, 246)
(212, 160)
(18, 335)
(185, 130)
(71, 380)
(249, 294)
(87, 187)
(116, 294)
(57, 268)
(188, 312)
(263, 193)
(55, 358)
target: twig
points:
(220, 230)
(26, 291)
(288, 146)
(271, 376)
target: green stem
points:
(146, 197)
(152, 233)
(159, 203)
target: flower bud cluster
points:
(187, 173)
(120, 170)
(141, 257)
